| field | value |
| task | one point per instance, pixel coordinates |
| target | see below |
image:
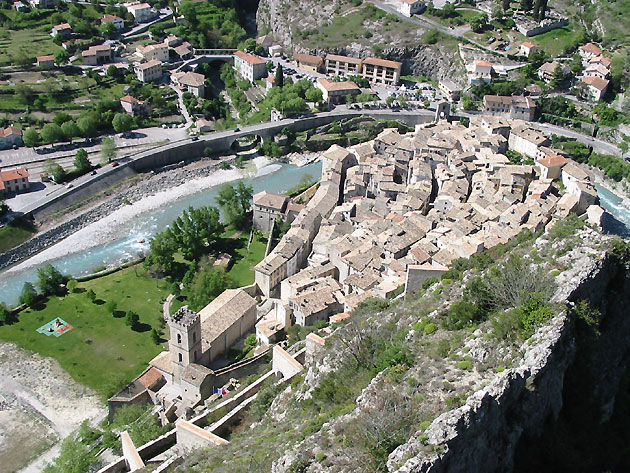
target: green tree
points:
(28, 295)
(81, 161)
(25, 93)
(132, 319)
(70, 130)
(74, 457)
(122, 122)
(207, 285)
(52, 133)
(278, 80)
(88, 125)
(49, 279)
(155, 336)
(478, 23)
(558, 77)
(108, 150)
(61, 57)
(162, 250)
(72, 285)
(110, 306)
(91, 295)
(314, 95)
(196, 231)
(108, 29)
(235, 201)
(59, 174)
(505, 4)
(526, 5)
(30, 137)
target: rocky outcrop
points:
(486, 433)
(287, 24)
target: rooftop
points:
(331, 86)
(249, 58)
(270, 200)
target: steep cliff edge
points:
(337, 26)
(530, 418)
(418, 386)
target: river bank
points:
(195, 176)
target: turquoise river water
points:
(126, 238)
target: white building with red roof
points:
(594, 87)
(479, 72)
(9, 137)
(249, 66)
(117, 21)
(14, 180)
(410, 7)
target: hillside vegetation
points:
(398, 364)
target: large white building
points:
(142, 12)
(410, 7)
(157, 51)
(149, 71)
(249, 67)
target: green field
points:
(32, 42)
(555, 41)
(15, 233)
(101, 351)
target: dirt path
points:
(44, 406)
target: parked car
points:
(69, 185)
(195, 138)
(115, 163)
(237, 129)
(93, 173)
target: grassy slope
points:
(101, 351)
(14, 234)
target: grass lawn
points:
(15, 233)
(555, 41)
(33, 42)
(242, 272)
(101, 351)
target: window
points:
(179, 338)
(194, 337)
(181, 358)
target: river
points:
(124, 234)
(118, 238)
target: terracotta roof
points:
(129, 98)
(139, 6)
(336, 57)
(382, 62)
(249, 58)
(62, 26)
(192, 79)
(183, 49)
(48, 57)
(410, 2)
(597, 82)
(339, 317)
(148, 65)
(480, 62)
(266, 39)
(308, 59)
(529, 45)
(13, 174)
(600, 60)
(552, 161)
(591, 48)
(10, 131)
(330, 85)
(150, 378)
(228, 308)
(269, 199)
(107, 18)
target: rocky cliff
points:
(342, 27)
(401, 388)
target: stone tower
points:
(185, 342)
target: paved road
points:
(143, 136)
(180, 103)
(598, 145)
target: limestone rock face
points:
(287, 20)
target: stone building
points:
(268, 206)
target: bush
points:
(462, 314)
(72, 285)
(427, 283)
(91, 295)
(429, 328)
(566, 227)
(464, 365)
(532, 315)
